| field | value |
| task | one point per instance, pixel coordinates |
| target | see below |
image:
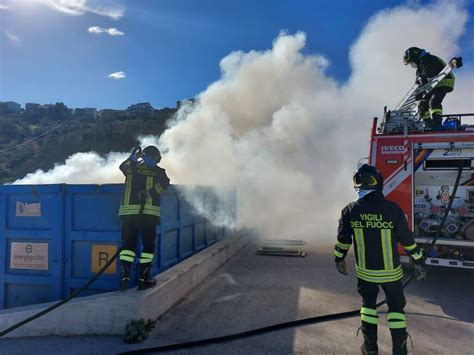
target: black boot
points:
(428, 124)
(437, 122)
(399, 341)
(369, 347)
(125, 275)
(145, 281)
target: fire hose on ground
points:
(245, 334)
(299, 322)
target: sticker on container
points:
(25, 209)
(101, 254)
(29, 256)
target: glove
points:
(137, 151)
(420, 272)
(341, 267)
(419, 96)
(421, 80)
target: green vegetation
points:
(31, 143)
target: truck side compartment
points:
(420, 169)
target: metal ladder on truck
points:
(409, 100)
(405, 116)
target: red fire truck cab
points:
(420, 169)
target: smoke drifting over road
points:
(287, 135)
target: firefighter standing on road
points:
(428, 66)
(140, 211)
(376, 225)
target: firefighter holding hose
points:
(376, 225)
(139, 210)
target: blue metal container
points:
(54, 238)
(169, 231)
(91, 236)
(30, 244)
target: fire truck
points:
(420, 169)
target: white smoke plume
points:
(287, 135)
(81, 168)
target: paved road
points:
(252, 291)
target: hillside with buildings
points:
(37, 136)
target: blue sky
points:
(169, 50)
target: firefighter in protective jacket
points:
(376, 225)
(145, 181)
(428, 66)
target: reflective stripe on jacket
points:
(143, 186)
(375, 226)
(430, 66)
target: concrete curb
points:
(109, 313)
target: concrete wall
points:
(109, 313)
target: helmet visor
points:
(365, 181)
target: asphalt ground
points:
(252, 291)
